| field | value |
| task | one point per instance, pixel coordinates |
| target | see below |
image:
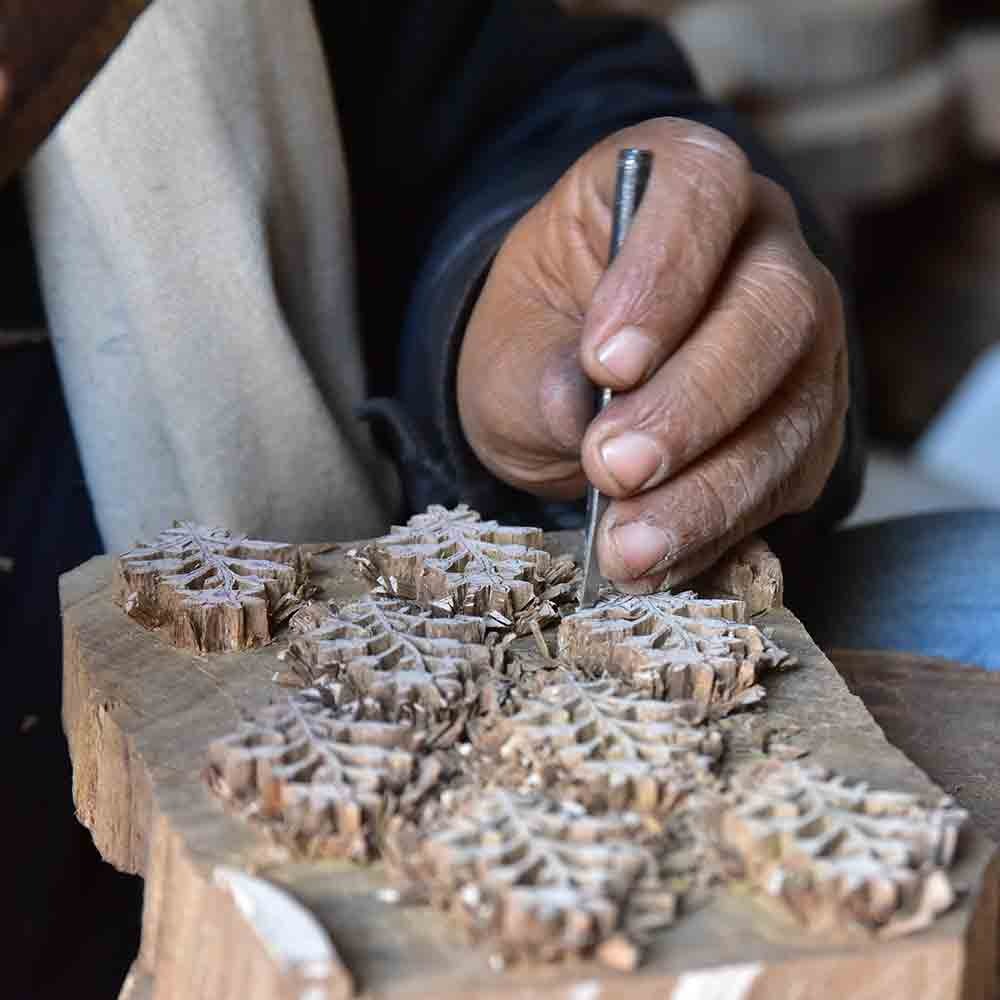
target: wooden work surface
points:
(944, 716)
(138, 715)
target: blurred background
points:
(888, 113)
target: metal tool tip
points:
(633, 155)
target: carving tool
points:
(630, 183)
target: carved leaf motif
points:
(671, 646)
(316, 774)
(539, 877)
(215, 590)
(399, 654)
(645, 612)
(836, 853)
(477, 566)
(621, 751)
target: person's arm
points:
(457, 122)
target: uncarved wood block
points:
(139, 715)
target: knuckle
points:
(709, 504)
(782, 294)
(692, 397)
(812, 413)
(717, 498)
(717, 168)
(797, 300)
(743, 488)
(808, 439)
(713, 389)
(711, 146)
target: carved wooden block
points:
(838, 855)
(568, 813)
(674, 646)
(618, 750)
(317, 775)
(752, 572)
(396, 653)
(212, 590)
(454, 558)
(538, 877)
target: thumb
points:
(523, 400)
(696, 202)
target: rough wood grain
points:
(139, 714)
(942, 715)
(751, 572)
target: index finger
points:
(697, 200)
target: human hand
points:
(719, 331)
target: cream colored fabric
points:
(191, 221)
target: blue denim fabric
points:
(925, 584)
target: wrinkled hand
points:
(719, 331)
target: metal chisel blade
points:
(630, 183)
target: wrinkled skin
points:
(719, 331)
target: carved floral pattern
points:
(671, 646)
(451, 555)
(543, 879)
(214, 590)
(836, 853)
(395, 652)
(556, 807)
(316, 773)
(621, 751)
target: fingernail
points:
(640, 546)
(631, 459)
(641, 587)
(627, 355)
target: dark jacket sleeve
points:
(457, 118)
